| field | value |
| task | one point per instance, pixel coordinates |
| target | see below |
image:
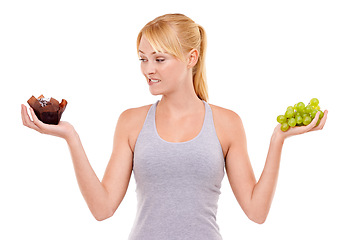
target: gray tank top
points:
(177, 184)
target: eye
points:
(142, 59)
(160, 60)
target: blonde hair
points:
(177, 34)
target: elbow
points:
(102, 215)
(101, 218)
(258, 218)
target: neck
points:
(179, 103)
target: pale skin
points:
(181, 108)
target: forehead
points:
(145, 47)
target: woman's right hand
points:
(63, 129)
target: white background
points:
(262, 56)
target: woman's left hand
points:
(302, 129)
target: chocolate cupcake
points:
(48, 110)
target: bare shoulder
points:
(133, 115)
(228, 125)
(131, 122)
(226, 117)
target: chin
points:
(155, 93)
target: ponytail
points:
(199, 71)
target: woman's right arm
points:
(102, 198)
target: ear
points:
(192, 58)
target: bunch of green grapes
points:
(300, 114)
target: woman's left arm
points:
(254, 197)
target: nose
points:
(148, 68)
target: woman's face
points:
(164, 72)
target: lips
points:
(153, 80)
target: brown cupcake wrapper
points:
(48, 112)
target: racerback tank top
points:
(177, 183)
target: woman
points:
(178, 147)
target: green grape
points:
(284, 127)
(300, 115)
(290, 108)
(321, 114)
(301, 107)
(292, 122)
(313, 113)
(314, 102)
(305, 114)
(281, 119)
(303, 110)
(308, 109)
(307, 120)
(299, 119)
(289, 113)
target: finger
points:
(322, 121)
(299, 130)
(28, 121)
(25, 117)
(22, 114)
(313, 124)
(36, 121)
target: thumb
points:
(36, 121)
